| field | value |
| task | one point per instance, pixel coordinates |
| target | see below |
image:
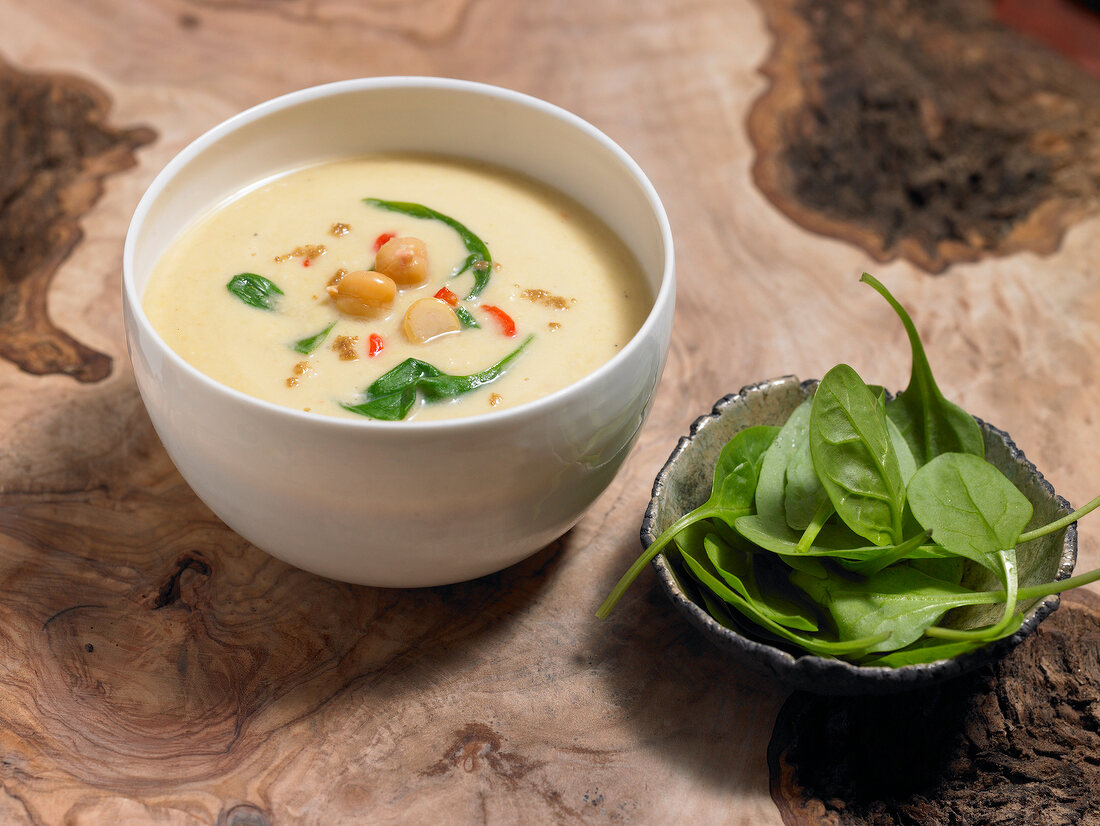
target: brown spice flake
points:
(300, 369)
(336, 277)
(553, 326)
(345, 346)
(548, 299)
(340, 229)
(495, 399)
(306, 251)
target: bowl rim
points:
(663, 298)
(824, 675)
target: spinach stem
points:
(992, 632)
(921, 378)
(1058, 524)
(659, 545)
(817, 522)
(1046, 589)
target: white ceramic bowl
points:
(401, 503)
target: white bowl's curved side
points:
(401, 504)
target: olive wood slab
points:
(158, 669)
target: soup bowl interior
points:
(401, 503)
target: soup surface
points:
(561, 292)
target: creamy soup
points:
(301, 291)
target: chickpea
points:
(427, 318)
(404, 259)
(363, 293)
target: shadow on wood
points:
(146, 645)
(1013, 743)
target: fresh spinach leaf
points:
(307, 345)
(949, 567)
(478, 261)
(735, 480)
(717, 610)
(803, 493)
(738, 469)
(976, 513)
(925, 650)
(736, 568)
(854, 458)
(913, 550)
(391, 396)
(930, 649)
(255, 290)
(930, 423)
(970, 507)
(906, 463)
(814, 644)
(898, 599)
(781, 540)
(770, 489)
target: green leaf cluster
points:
(846, 532)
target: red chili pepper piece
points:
(382, 239)
(506, 324)
(447, 296)
(305, 262)
(375, 345)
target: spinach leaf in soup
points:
(478, 260)
(307, 345)
(392, 395)
(255, 290)
(854, 459)
(929, 422)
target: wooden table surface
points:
(156, 668)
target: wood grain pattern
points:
(924, 130)
(158, 669)
(58, 149)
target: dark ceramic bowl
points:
(685, 482)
